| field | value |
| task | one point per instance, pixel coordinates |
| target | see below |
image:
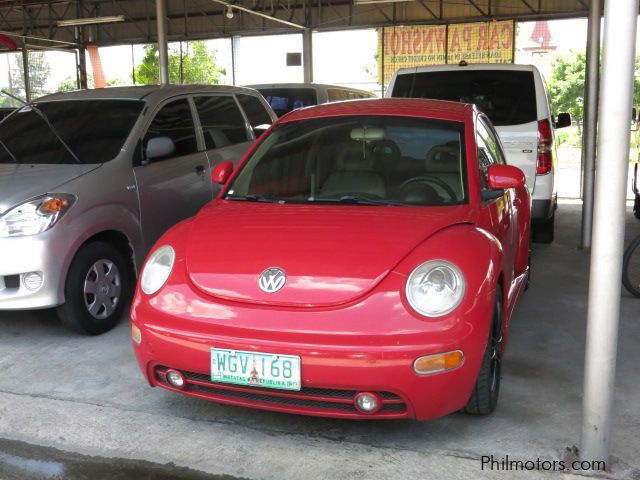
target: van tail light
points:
(545, 147)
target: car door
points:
(224, 129)
(255, 110)
(173, 186)
(500, 212)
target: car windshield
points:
(506, 96)
(95, 130)
(367, 160)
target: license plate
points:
(255, 369)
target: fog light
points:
(368, 402)
(136, 334)
(438, 363)
(175, 378)
(32, 280)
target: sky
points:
(346, 57)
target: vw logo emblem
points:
(272, 280)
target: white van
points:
(284, 97)
(515, 99)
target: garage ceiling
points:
(193, 19)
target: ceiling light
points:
(229, 12)
(74, 22)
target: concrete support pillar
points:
(307, 55)
(25, 73)
(82, 68)
(235, 42)
(616, 94)
(590, 127)
(163, 47)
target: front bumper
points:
(367, 346)
(44, 253)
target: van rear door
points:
(507, 96)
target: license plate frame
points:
(255, 369)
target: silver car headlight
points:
(157, 269)
(435, 288)
(35, 216)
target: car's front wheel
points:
(484, 397)
(97, 289)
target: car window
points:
(221, 120)
(283, 100)
(174, 121)
(337, 94)
(485, 157)
(508, 97)
(95, 130)
(255, 111)
(396, 159)
(491, 140)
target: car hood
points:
(20, 182)
(331, 254)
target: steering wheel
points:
(429, 179)
(385, 149)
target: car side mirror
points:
(159, 147)
(222, 172)
(564, 120)
(501, 177)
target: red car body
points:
(344, 309)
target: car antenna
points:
(42, 115)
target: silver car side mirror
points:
(158, 147)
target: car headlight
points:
(35, 216)
(157, 269)
(435, 288)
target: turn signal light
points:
(53, 205)
(136, 334)
(440, 362)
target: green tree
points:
(198, 65)
(39, 70)
(566, 87)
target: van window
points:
(95, 130)
(254, 110)
(174, 120)
(508, 97)
(221, 120)
(283, 100)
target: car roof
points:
(409, 107)
(470, 66)
(303, 85)
(150, 93)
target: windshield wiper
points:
(253, 198)
(356, 200)
(42, 115)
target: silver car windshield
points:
(95, 130)
(363, 160)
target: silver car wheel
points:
(102, 289)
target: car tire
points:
(97, 289)
(543, 232)
(484, 397)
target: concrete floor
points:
(86, 395)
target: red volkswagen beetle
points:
(364, 261)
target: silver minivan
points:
(89, 180)
(285, 97)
